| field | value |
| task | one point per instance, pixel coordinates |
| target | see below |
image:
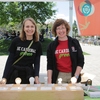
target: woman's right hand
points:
(3, 81)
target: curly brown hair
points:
(59, 22)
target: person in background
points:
(42, 35)
(18, 33)
(50, 34)
(64, 55)
(6, 35)
(13, 34)
(46, 31)
(28, 65)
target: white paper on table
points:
(60, 88)
(50, 85)
(37, 85)
(9, 85)
(16, 88)
(46, 88)
(78, 88)
(75, 88)
(3, 88)
(79, 84)
(65, 84)
(31, 88)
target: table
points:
(41, 92)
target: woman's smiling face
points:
(29, 28)
(61, 31)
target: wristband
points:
(76, 76)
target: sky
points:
(63, 10)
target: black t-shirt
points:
(18, 47)
(32, 57)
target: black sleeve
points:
(80, 55)
(12, 48)
(37, 60)
(49, 57)
(37, 66)
(10, 59)
(8, 65)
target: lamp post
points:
(70, 15)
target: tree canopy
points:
(16, 11)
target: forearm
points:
(78, 71)
(49, 75)
(37, 80)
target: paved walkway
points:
(91, 67)
(92, 62)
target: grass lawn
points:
(4, 44)
(86, 53)
(45, 44)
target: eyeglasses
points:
(58, 29)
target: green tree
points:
(17, 11)
(3, 14)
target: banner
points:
(88, 17)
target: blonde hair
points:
(23, 35)
(59, 22)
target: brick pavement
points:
(91, 67)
